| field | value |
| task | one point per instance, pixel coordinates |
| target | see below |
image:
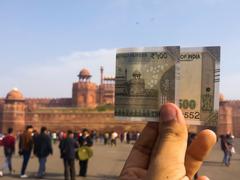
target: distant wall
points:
(100, 121)
(225, 120)
(34, 103)
(57, 114)
(235, 105)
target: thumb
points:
(169, 152)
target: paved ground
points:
(108, 162)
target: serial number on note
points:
(191, 115)
(188, 105)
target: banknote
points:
(199, 85)
(145, 80)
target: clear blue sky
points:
(45, 43)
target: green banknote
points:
(146, 78)
(199, 85)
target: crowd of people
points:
(103, 137)
(72, 145)
(110, 138)
(75, 145)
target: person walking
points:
(9, 149)
(25, 148)
(226, 148)
(67, 148)
(223, 146)
(230, 148)
(84, 152)
(42, 149)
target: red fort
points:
(91, 106)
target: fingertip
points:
(208, 138)
(202, 145)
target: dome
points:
(15, 94)
(84, 73)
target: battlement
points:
(45, 99)
(233, 101)
(35, 103)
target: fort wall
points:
(64, 119)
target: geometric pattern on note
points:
(145, 79)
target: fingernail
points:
(168, 113)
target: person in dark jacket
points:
(68, 148)
(42, 149)
(9, 148)
(25, 148)
(84, 140)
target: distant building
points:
(229, 117)
(88, 94)
(13, 110)
(79, 111)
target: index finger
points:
(141, 151)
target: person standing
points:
(85, 142)
(122, 137)
(114, 137)
(9, 148)
(42, 149)
(54, 137)
(128, 138)
(25, 148)
(67, 148)
(106, 138)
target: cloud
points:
(55, 78)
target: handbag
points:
(84, 153)
(233, 150)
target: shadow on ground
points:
(213, 163)
(50, 176)
(103, 177)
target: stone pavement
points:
(108, 161)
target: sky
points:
(44, 44)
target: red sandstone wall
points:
(106, 93)
(34, 103)
(100, 121)
(232, 120)
(77, 121)
(84, 94)
(235, 117)
(13, 116)
(225, 121)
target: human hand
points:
(161, 151)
